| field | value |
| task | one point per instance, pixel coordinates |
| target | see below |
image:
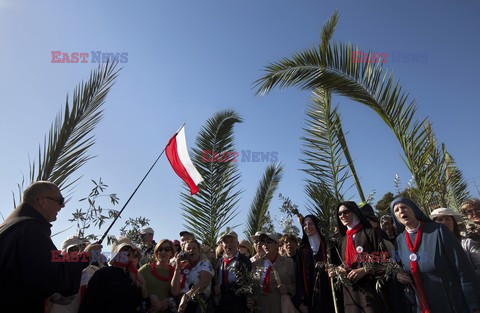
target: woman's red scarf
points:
(415, 270)
(155, 273)
(350, 252)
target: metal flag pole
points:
(135, 191)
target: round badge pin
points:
(413, 257)
(359, 249)
(186, 271)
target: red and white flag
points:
(177, 155)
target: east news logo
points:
(85, 57)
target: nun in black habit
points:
(358, 237)
(434, 261)
(313, 292)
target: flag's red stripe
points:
(172, 156)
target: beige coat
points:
(270, 302)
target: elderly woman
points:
(434, 261)
(269, 266)
(117, 288)
(193, 279)
(158, 277)
(358, 237)
(450, 219)
(308, 297)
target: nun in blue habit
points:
(434, 261)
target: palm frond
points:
(335, 69)
(65, 148)
(322, 203)
(260, 204)
(457, 186)
(215, 205)
(323, 153)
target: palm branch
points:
(334, 69)
(265, 190)
(215, 205)
(65, 148)
(323, 154)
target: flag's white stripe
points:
(185, 158)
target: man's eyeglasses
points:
(472, 211)
(60, 201)
(345, 212)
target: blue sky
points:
(190, 59)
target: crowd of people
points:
(404, 261)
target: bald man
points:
(29, 271)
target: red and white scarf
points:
(415, 270)
(350, 252)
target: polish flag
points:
(177, 155)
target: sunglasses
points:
(472, 211)
(60, 201)
(344, 212)
(166, 249)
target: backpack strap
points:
(14, 221)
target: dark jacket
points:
(27, 274)
(229, 301)
(361, 296)
(110, 290)
(312, 284)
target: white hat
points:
(445, 211)
(72, 241)
(272, 236)
(228, 234)
(146, 230)
(119, 244)
(256, 236)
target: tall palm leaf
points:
(335, 69)
(456, 185)
(323, 154)
(215, 205)
(265, 190)
(65, 149)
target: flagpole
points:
(135, 191)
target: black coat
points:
(110, 290)
(313, 287)
(229, 301)
(27, 274)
